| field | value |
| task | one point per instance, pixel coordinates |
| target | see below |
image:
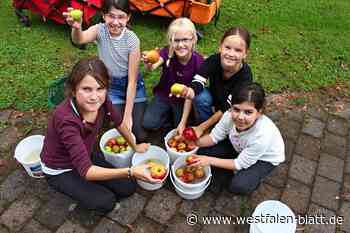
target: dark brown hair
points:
(122, 5)
(88, 66)
(238, 31)
(253, 93)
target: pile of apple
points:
(179, 144)
(116, 145)
(157, 169)
(190, 174)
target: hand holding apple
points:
(176, 89)
(141, 172)
(74, 20)
(158, 171)
(189, 134)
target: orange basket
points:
(167, 8)
(203, 13)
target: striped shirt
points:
(114, 51)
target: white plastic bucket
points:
(174, 154)
(189, 194)
(181, 161)
(156, 153)
(273, 208)
(27, 153)
(118, 160)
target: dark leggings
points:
(100, 196)
(244, 181)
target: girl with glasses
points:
(179, 62)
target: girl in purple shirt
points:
(67, 157)
(179, 64)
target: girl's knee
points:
(240, 187)
(104, 203)
(127, 189)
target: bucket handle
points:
(173, 181)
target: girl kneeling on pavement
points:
(244, 141)
(67, 157)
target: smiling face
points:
(183, 41)
(233, 50)
(116, 20)
(89, 95)
(244, 115)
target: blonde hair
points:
(175, 26)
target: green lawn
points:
(296, 45)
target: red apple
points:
(189, 134)
(188, 177)
(158, 171)
(111, 142)
(190, 159)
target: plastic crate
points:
(56, 91)
(203, 13)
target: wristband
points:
(130, 173)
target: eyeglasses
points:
(113, 17)
(183, 40)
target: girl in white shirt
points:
(254, 146)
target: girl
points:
(119, 49)
(67, 158)
(254, 137)
(225, 71)
(179, 64)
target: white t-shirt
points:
(114, 51)
(263, 141)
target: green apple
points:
(116, 149)
(108, 148)
(120, 140)
(76, 14)
(176, 88)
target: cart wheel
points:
(23, 18)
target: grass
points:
(298, 45)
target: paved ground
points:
(315, 179)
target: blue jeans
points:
(202, 105)
(117, 92)
(161, 114)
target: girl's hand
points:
(142, 147)
(198, 130)
(201, 160)
(187, 93)
(73, 23)
(141, 172)
(180, 128)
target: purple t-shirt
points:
(69, 139)
(176, 72)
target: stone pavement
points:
(315, 179)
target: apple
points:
(152, 162)
(176, 88)
(152, 56)
(187, 177)
(172, 142)
(111, 142)
(181, 146)
(190, 159)
(191, 146)
(189, 134)
(116, 149)
(76, 14)
(108, 148)
(120, 140)
(179, 172)
(189, 169)
(199, 172)
(158, 171)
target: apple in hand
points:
(76, 14)
(152, 56)
(176, 88)
(189, 134)
(158, 171)
(190, 159)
